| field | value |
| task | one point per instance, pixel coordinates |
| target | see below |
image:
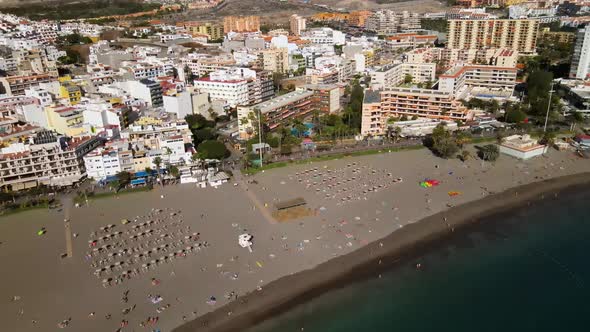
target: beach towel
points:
(429, 183)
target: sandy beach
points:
(371, 203)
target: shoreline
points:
(285, 293)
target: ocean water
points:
(527, 270)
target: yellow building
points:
(369, 58)
(141, 161)
(330, 17)
(213, 31)
(558, 36)
(241, 23)
(115, 100)
(65, 120)
(71, 92)
(517, 35)
(65, 78)
(147, 120)
(358, 18)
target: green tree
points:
(395, 133)
(299, 127)
(74, 39)
(204, 134)
(197, 121)
(408, 79)
(158, 163)
(173, 170)
(575, 119)
(548, 138)
(115, 185)
(188, 75)
(538, 86)
(489, 152)
(500, 136)
(124, 178)
(72, 57)
(461, 138)
(515, 116)
(443, 143)
(465, 155)
(439, 24)
(212, 149)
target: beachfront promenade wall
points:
(523, 153)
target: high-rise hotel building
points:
(518, 35)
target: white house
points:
(522, 147)
(102, 163)
(179, 104)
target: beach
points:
(291, 261)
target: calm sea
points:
(525, 271)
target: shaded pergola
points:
(299, 201)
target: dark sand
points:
(287, 292)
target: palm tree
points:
(500, 136)
(158, 163)
(173, 170)
(299, 126)
(548, 138)
(397, 131)
(123, 178)
(576, 118)
(462, 138)
(489, 152)
(465, 155)
(194, 157)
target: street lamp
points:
(548, 108)
(260, 135)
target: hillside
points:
(72, 9)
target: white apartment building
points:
(146, 90)
(388, 22)
(468, 14)
(297, 24)
(149, 70)
(453, 57)
(85, 29)
(233, 92)
(394, 74)
(169, 141)
(275, 59)
(409, 40)
(100, 115)
(8, 64)
(381, 106)
(179, 104)
(327, 36)
(164, 38)
(490, 79)
(201, 65)
(580, 65)
(44, 159)
(345, 68)
(103, 163)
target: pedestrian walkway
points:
(252, 196)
